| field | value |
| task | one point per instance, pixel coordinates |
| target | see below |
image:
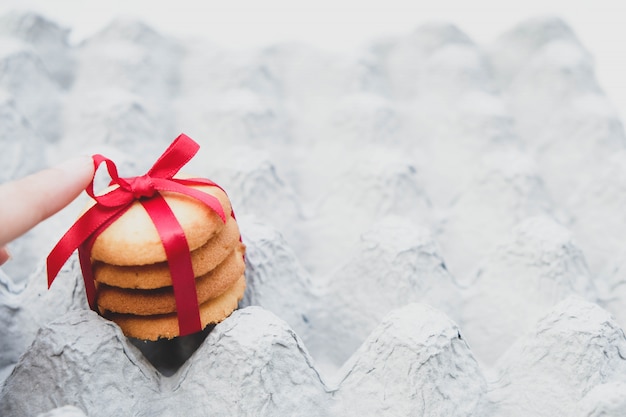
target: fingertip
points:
(80, 167)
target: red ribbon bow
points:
(144, 189)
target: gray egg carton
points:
(433, 227)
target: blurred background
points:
(343, 25)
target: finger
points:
(4, 255)
(28, 201)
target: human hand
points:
(26, 202)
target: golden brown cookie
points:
(203, 259)
(166, 325)
(161, 300)
(133, 239)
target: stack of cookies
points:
(133, 280)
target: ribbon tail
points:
(85, 266)
(207, 199)
(60, 254)
(214, 203)
(202, 181)
(84, 227)
(179, 260)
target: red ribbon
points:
(145, 189)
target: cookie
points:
(166, 325)
(133, 239)
(203, 259)
(162, 300)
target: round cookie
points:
(133, 239)
(203, 259)
(166, 325)
(162, 300)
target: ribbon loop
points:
(110, 206)
(174, 157)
